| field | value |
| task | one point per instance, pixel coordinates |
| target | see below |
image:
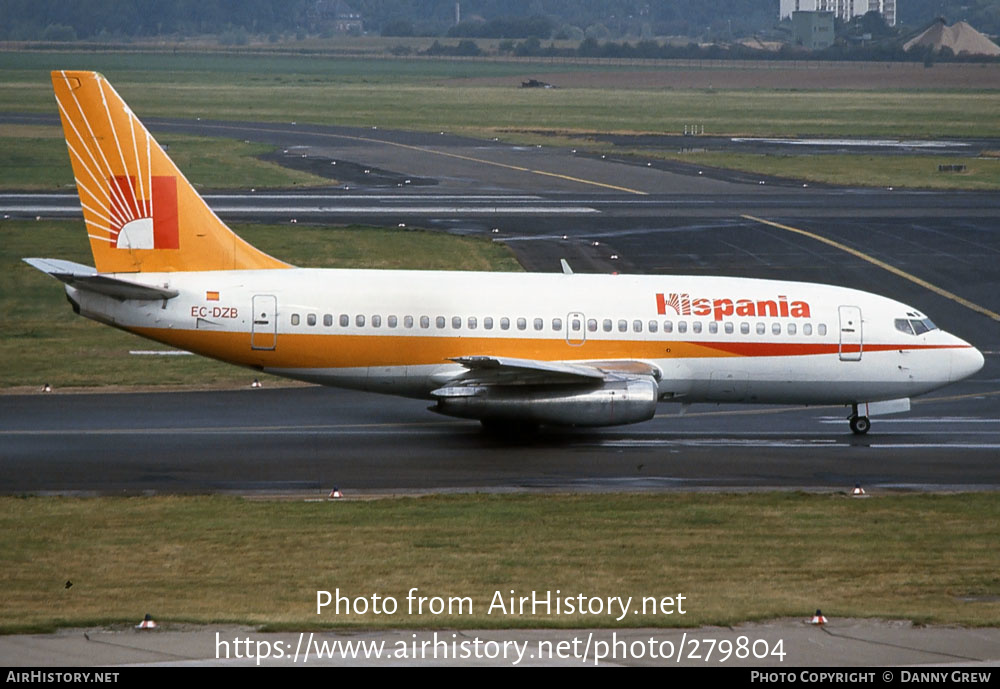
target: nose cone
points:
(965, 362)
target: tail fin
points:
(141, 214)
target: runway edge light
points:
(335, 494)
(818, 618)
(147, 623)
(858, 491)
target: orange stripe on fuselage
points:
(307, 350)
(755, 349)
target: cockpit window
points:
(914, 326)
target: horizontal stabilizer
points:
(86, 278)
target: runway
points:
(310, 440)
(606, 215)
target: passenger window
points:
(668, 326)
(407, 321)
(505, 323)
(391, 321)
(488, 323)
(360, 321)
(439, 322)
(327, 320)
(696, 326)
(791, 328)
(576, 325)
(456, 322)
(821, 329)
(807, 329)
(539, 324)
(761, 328)
(637, 326)
(776, 328)
(682, 326)
(473, 323)
(295, 319)
(376, 321)
(425, 322)
(607, 325)
(622, 326)
(653, 326)
(713, 327)
(592, 325)
(311, 319)
(522, 323)
(729, 328)
(744, 328)
(557, 324)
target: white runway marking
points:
(422, 210)
(938, 446)
(333, 209)
(498, 198)
(923, 420)
(721, 442)
(879, 143)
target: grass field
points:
(34, 157)
(861, 170)
(483, 100)
(926, 558)
(45, 342)
(409, 94)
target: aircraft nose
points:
(965, 362)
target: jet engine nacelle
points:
(612, 403)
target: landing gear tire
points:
(860, 425)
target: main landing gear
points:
(859, 424)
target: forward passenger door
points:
(850, 333)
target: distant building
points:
(845, 10)
(812, 30)
(336, 16)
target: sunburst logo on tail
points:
(143, 223)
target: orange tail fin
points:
(141, 214)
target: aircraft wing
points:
(498, 370)
(87, 278)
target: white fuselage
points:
(710, 339)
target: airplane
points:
(507, 349)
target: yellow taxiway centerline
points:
(883, 265)
(432, 151)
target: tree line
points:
(602, 20)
